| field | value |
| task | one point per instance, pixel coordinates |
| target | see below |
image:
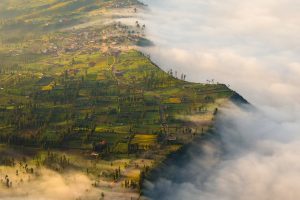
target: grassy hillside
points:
(97, 97)
(117, 116)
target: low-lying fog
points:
(255, 158)
(254, 47)
(47, 185)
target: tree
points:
(102, 195)
(92, 64)
(7, 182)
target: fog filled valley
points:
(253, 47)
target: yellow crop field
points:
(144, 139)
(174, 100)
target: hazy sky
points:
(254, 46)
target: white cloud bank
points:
(254, 46)
(255, 158)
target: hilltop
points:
(76, 95)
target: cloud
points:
(253, 46)
(253, 157)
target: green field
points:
(69, 105)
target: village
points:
(109, 38)
(89, 40)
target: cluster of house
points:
(121, 4)
(89, 40)
(82, 40)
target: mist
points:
(248, 157)
(46, 184)
(254, 48)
